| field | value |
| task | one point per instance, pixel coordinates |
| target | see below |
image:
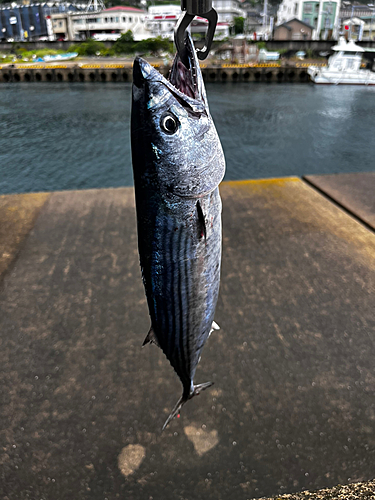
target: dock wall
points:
(121, 73)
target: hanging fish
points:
(178, 163)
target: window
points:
(307, 8)
(111, 19)
(295, 8)
(130, 20)
(124, 19)
(106, 19)
(60, 24)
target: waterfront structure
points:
(30, 22)
(227, 10)
(358, 20)
(293, 30)
(323, 15)
(115, 20)
(162, 19)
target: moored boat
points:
(344, 67)
(60, 57)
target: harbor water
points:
(57, 136)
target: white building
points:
(162, 19)
(112, 21)
(323, 15)
(227, 10)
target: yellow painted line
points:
(266, 66)
(93, 66)
(273, 180)
(235, 66)
(34, 66)
(114, 66)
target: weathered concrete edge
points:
(18, 215)
(31, 208)
(355, 491)
(310, 181)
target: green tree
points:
(239, 24)
(88, 48)
(154, 45)
(125, 44)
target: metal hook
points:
(211, 17)
(181, 27)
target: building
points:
(30, 22)
(115, 20)
(162, 19)
(293, 30)
(227, 10)
(360, 21)
(323, 15)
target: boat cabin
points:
(347, 56)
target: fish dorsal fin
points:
(201, 221)
(151, 338)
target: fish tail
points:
(197, 389)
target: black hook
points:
(182, 25)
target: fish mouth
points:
(186, 79)
(184, 83)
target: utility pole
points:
(265, 9)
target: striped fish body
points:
(181, 272)
(178, 164)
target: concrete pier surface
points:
(82, 404)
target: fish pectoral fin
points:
(214, 327)
(201, 221)
(151, 338)
(180, 403)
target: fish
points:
(178, 164)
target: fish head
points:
(175, 146)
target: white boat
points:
(264, 55)
(60, 57)
(344, 67)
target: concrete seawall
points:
(292, 408)
(123, 73)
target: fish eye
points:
(169, 124)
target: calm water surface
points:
(76, 136)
